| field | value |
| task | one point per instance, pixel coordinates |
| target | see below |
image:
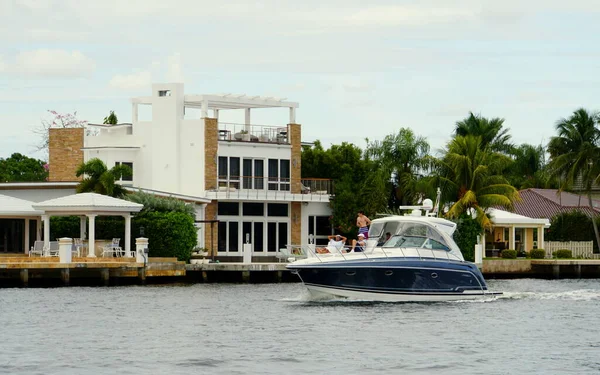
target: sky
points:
(358, 69)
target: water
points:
(538, 327)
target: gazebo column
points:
(511, 238)
(92, 236)
(540, 238)
(38, 233)
(46, 220)
(82, 222)
(127, 235)
(26, 239)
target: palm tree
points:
(99, 179)
(111, 119)
(529, 169)
(401, 157)
(471, 177)
(491, 131)
(575, 153)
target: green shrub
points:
(571, 226)
(465, 236)
(509, 254)
(170, 234)
(537, 254)
(64, 226)
(562, 254)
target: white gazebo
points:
(20, 209)
(505, 219)
(88, 205)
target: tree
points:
(470, 176)
(358, 184)
(111, 119)
(68, 120)
(99, 179)
(492, 133)
(575, 153)
(401, 157)
(20, 168)
(529, 169)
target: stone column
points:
(294, 136)
(65, 247)
(92, 236)
(141, 243)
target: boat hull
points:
(395, 280)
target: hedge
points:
(562, 254)
(170, 234)
(537, 254)
(509, 254)
(572, 226)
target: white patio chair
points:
(113, 248)
(52, 249)
(77, 247)
(37, 248)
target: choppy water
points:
(538, 327)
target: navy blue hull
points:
(394, 276)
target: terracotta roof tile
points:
(546, 203)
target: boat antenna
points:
(436, 207)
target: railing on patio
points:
(317, 186)
(579, 249)
(253, 133)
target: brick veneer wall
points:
(210, 213)
(211, 145)
(65, 153)
(295, 131)
(296, 229)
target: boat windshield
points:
(417, 235)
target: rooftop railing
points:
(317, 186)
(253, 133)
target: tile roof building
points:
(547, 203)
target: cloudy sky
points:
(358, 68)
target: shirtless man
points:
(363, 222)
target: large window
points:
(319, 227)
(228, 208)
(228, 238)
(279, 174)
(229, 172)
(127, 164)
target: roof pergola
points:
(88, 205)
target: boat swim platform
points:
(21, 270)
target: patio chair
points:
(113, 249)
(37, 248)
(77, 247)
(52, 249)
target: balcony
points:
(271, 188)
(253, 133)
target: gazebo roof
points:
(10, 206)
(87, 203)
(501, 217)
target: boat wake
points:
(571, 295)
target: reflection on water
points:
(537, 326)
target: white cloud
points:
(52, 63)
(134, 81)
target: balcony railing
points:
(253, 133)
(317, 186)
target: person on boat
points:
(335, 245)
(363, 222)
(388, 235)
(359, 245)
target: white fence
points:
(583, 249)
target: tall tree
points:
(575, 153)
(529, 169)
(470, 176)
(492, 132)
(111, 119)
(401, 157)
(20, 168)
(99, 179)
